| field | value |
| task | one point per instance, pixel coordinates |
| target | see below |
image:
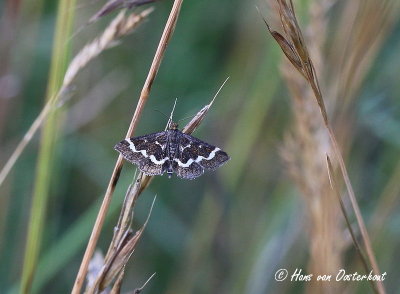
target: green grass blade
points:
(65, 16)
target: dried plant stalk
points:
(124, 241)
(166, 36)
(121, 25)
(334, 186)
(116, 289)
(293, 45)
(304, 150)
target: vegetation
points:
(312, 133)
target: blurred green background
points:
(228, 231)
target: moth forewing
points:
(172, 151)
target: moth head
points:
(173, 125)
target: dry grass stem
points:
(116, 289)
(166, 36)
(198, 118)
(332, 181)
(303, 151)
(293, 45)
(122, 25)
(124, 241)
(123, 244)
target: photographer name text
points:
(299, 275)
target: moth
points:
(171, 151)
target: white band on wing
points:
(144, 153)
(198, 159)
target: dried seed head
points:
(293, 46)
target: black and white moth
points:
(171, 151)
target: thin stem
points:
(364, 233)
(294, 39)
(166, 36)
(346, 217)
(36, 224)
(121, 233)
(313, 81)
(357, 212)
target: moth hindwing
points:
(171, 151)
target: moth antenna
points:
(159, 111)
(171, 115)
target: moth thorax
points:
(172, 150)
